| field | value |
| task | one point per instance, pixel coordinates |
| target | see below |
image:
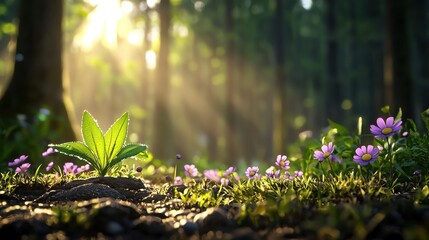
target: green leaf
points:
(341, 129)
(399, 115)
(399, 168)
(128, 151)
(386, 109)
(93, 138)
(79, 150)
(425, 118)
(115, 136)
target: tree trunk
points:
(397, 77)
(231, 145)
(280, 91)
(162, 145)
(334, 88)
(422, 50)
(37, 79)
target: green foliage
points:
(24, 135)
(102, 151)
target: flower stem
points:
(175, 171)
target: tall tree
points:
(161, 145)
(334, 88)
(231, 136)
(397, 71)
(37, 77)
(280, 91)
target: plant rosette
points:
(101, 151)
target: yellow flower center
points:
(252, 173)
(282, 163)
(366, 157)
(326, 154)
(386, 130)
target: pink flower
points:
(49, 151)
(229, 171)
(326, 152)
(212, 174)
(387, 128)
(48, 168)
(252, 172)
(365, 155)
(18, 161)
(178, 181)
(23, 168)
(282, 162)
(191, 170)
(224, 181)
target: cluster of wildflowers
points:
(71, 168)
(23, 167)
(17, 161)
(364, 154)
(272, 172)
(296, 174)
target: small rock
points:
(213, 219)
(114, 228)
(86, 192)
(244, 233)
(189, 228)
(150, 225)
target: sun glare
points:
(150, 57)
(101, 24)
(307, 4)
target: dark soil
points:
(124, 208)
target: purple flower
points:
(224, 181)
(272, 173)
(49, 151)
(178, 181)
(17, 161)
(82, 169)
(252, 172)
(178, 156)
(48, 168)
(69, 168)
(417, 172)
(139, 169)
(405, 134)
(229, 171)
(191, 170)
(282, 162)
(365, 155)
(298, 174)
(23, 168)
(326, 152)
(212, 174)
(386, 128)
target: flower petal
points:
(389, 121)
(380, 122)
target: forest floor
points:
(125, 208)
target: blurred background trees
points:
(235, 79)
